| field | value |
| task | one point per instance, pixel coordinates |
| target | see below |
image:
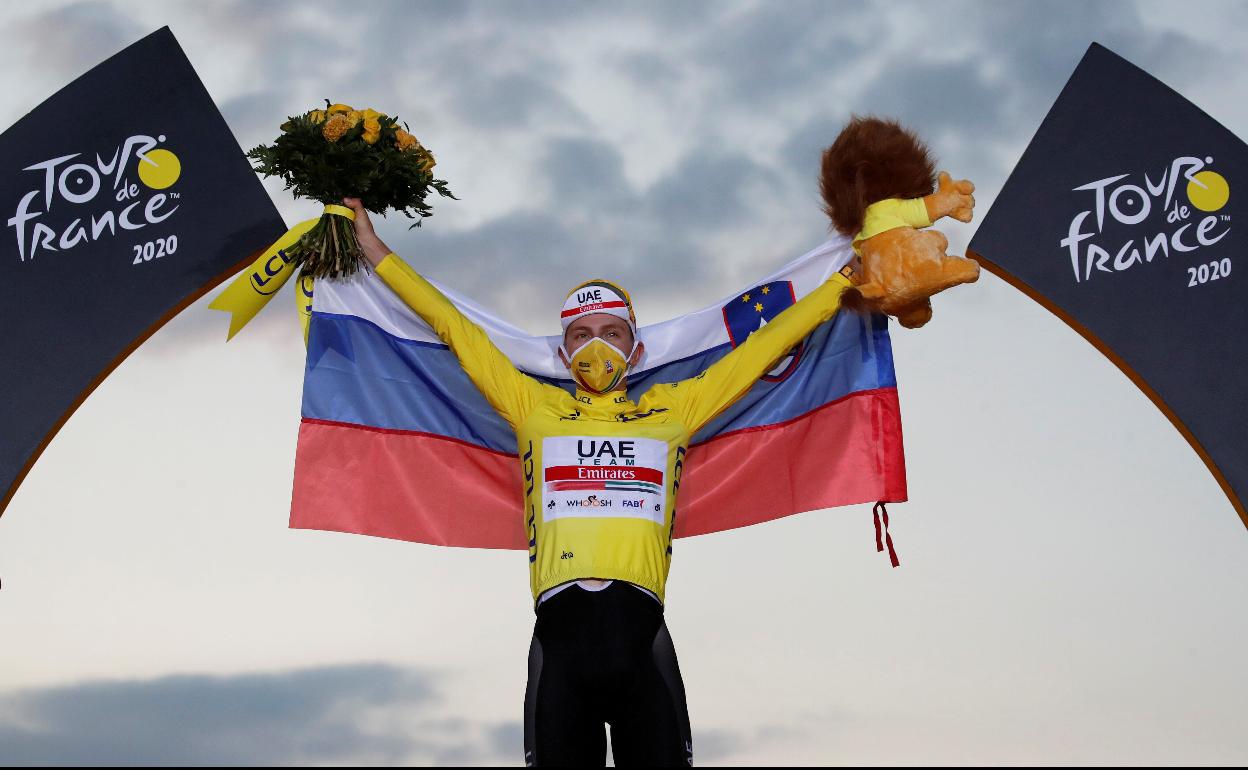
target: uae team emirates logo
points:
(603, 476)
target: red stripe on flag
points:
(433, 489)
(845, 452)
(407, 486)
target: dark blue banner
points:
(1124, 218)
(125, 197)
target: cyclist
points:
(601, 476)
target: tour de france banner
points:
(125, 197)
(1125, 218)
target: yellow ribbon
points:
(341, 211)
(247, 295)
(303, 304)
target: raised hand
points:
(951, 199)
(374, 250)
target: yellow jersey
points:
(890, 214)
(601, 473)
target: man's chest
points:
(582, 466)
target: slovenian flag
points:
(395, 441)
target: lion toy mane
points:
(880, 188)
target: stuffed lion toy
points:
(880, 188)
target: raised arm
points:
(705, 395)
(510, 391)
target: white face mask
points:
(598, 366)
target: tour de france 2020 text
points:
(154, 249)
(1209, 271)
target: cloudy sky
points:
(1073, 580)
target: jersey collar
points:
(612, 401)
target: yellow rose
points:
(372, 130)
(317, 116)
(355, 116)
(428, 163)
(335, 127)
(404, 140)
(370, 114)
(336, 108)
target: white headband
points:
(597, 297)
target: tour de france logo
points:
(80, 198)
(1208, 191)
(159, 169)
(1176, 213)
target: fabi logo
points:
(66, 207)
(1179, 213)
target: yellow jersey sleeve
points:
(700, 398)
(889, 214)
(511, 392)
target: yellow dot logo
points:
(160, 168)
(1208, 191)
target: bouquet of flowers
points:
(339, 152)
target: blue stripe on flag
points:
(358, 373)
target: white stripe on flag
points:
(366, 296)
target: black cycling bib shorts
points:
(604, 658)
